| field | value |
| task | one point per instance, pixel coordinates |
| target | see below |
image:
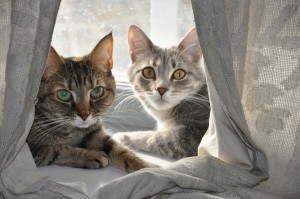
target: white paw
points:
(122, 138)
(118, 137)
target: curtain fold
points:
(223, 40)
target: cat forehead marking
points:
(155, 62)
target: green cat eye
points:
(179, 74)
(97, 92)
(149, 73)
(64, 95)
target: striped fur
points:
(180, 107)
(71, 133)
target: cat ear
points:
(102, 55)
(139, 43)
(190, 45)
(54, 62)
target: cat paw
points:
(122, 138)
(95, 160)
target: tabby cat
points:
(170, 84)
(67, 128)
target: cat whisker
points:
(40, 115)
(126, 91)
(126, 123)
(45, 125)
(39, 135)
(123, 116)
(120, 97)
(49, 120)
(54, 131)
(149, 92)
(43, 116)
(200, 97)
(123, 93)
(120, 111)
(126, 99)
(105, 120)
(197, 101)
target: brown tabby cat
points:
(67, 128)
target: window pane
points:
(81, 24)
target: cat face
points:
(77, 90)
(162, 78)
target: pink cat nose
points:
(161, 90)
(84, 116)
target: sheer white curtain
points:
(252, 52)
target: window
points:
(81, 24)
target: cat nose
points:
(162, 90)
(84, 115)
(83, 110)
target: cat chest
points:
(76, 138)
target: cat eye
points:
(97, 92)
(64, 95)
(179, 74)
(149, 73)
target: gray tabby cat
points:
(67, 128)
(171, 85)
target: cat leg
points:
(136, 139)
(120, 156)
(66, 155)
(156, 142)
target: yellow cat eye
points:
(179, 74)
(149, 73)
(97, 92)
(64, 95)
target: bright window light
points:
(81, 24)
